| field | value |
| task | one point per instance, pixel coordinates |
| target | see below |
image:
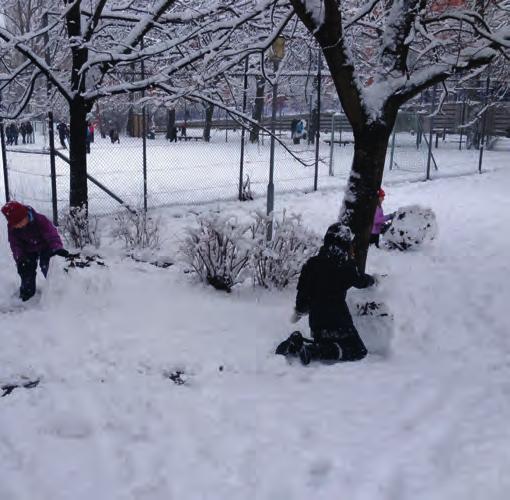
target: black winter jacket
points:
(322, 289)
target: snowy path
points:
(428, 422)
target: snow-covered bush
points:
(222, 251)
(218, 251)
(79, 230)
(278, 262)
(137, 230)
(411, 226)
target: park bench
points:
(342, 142)
(190, 138)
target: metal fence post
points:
(431, 131)
(144, 156)
(332, 139)
(318, 123)
(226, 126)
(53, 172)
(278, 50)
(243, 129)
(144, 140)
(484, 121)
(4, 159)
(270, 186)
(462, 118)
(51, 129)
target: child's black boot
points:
(292, 345)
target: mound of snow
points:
(411, 226)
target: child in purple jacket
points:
(380, 220)
(32, 238)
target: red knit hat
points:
(381, 193)
(14, 212)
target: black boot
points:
(292, 345)
(324, 351)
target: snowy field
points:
(428, 421)
(196, 172)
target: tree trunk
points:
(258, 108)
(170, 123)
(360, 200)
(130, 127)
(209, 110)
(78, 109)
(78, 195)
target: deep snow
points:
(429, 421)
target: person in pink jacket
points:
(381, 221)
(33, 238)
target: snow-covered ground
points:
(429, 421)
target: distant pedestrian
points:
(172, 134)
(14, 133)
(63, 133)
(299, 131)
(8, 134)
(293, 125)
(30, 132)
(114, 136)
(23, 132)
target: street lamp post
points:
(277, 53)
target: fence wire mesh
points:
(190, 170)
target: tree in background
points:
(86, 51)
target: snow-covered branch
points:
(439, 72)
(396, 38)
(35, 60)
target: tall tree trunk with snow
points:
(360, 200)
(258, 108)
(78, 110)
(78, 190)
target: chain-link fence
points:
(191, 170)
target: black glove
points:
(61, 252)
(386, 226)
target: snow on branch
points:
(316, 10)
(35, 60)
(94, 49)
(361, 13)
(436, 73)
(395, 41)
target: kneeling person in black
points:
(322, 289)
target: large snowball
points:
(411, 226)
